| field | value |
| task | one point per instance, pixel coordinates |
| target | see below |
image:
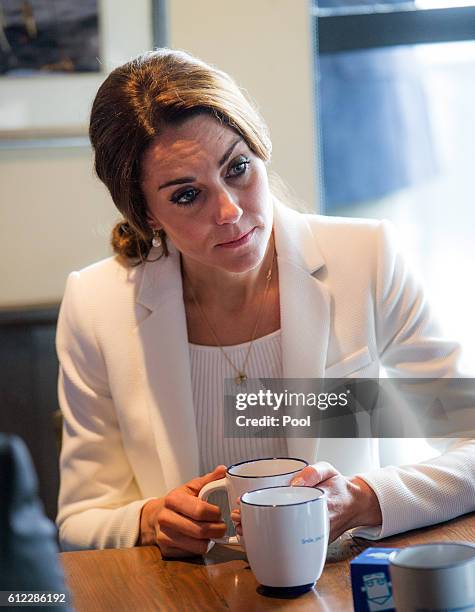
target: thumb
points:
(198, 483)
(314, 474)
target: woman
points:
(214, 278)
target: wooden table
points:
(139, 579)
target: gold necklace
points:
(241, 373)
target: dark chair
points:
(28, 391)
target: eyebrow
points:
(190, 179)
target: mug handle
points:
(205, 492)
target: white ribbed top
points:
(209, 369)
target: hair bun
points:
(127, 243)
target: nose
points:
(227, 208)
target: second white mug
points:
(249, 475)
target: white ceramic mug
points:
(438, 576)
(286, 531)
(248, 475)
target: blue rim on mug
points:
(307, 501)
(402, 565)
(234, 465)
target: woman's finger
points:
(196, 484)
(168, 539)
(184, 503)
(189, 527)
(314, 474)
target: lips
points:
(237, 239)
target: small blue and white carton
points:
(371, 581)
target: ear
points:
(153, 223)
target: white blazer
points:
(348, 305)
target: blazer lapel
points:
(304, 300)
(304, 308)
(164, 340)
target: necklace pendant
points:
(241, 377)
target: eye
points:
(238, 166)
(185, 197)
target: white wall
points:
(55, 216)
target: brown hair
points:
(130, 109)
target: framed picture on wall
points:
(38, 37)
(55, 53)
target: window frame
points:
(356, 28)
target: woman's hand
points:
(351, 501)
(180, 523)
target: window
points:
(396, 105)
(397, 125)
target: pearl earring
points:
(156, 241)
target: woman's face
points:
(205, 188)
